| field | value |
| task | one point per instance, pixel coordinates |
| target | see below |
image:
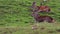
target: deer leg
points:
(51, 21)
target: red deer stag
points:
(41, 8)
(39, 18)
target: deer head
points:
(34, 7)
(34, 4)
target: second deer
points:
(41, 8)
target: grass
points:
(15, 17)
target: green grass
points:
(16, 14)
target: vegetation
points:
(15, 17)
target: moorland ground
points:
(15, 17)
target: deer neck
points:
(35, 14)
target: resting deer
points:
(41, 8)
(39, 18)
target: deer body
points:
(44, 18)
(39, 18)
(43, 9)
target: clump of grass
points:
(51, 31)
(58, 30)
